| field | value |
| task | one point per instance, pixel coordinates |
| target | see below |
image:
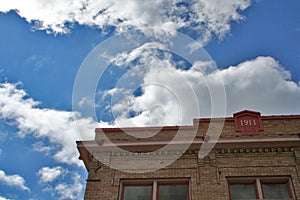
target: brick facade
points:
(273, 152)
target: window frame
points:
(155, 183)
(258, 181)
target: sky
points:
(67, 67)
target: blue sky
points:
(43, 45)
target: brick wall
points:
(208, 176)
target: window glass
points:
(173, 192)
(242, 191)
(275, 191)
(137, 192)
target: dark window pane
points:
(137, 192)
(173, 192)
(275, 191)
(242, 191)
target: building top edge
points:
(197, 121)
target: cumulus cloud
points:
(47, 174)
(70, 191)
(168, 92)
(41, 147)
(261, 84)
(54, 125)
(161, 101)
(61, 183)
(13, 180)
(3, 198)
(201, 18)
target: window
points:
(243, 191)
(260, 188)
(161, 189)
(138, 192)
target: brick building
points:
(254, 157)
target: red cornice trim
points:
(149, 128)
(276, 117)
(191, 127)
(213, 119)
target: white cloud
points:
(70, 191)
(13, 180)
(85, 101)
(55, 125)
(170, 96)
(41, 147)
(3, 198)
(47, 174)
(202, 18)
(61, 183)
(260, 84)
(144, 53)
